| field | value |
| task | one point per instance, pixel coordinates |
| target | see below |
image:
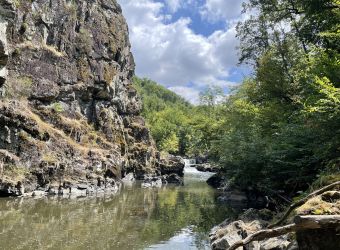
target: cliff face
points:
(68, 111)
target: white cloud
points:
(172, 54)
(173, 5)
(217, 10)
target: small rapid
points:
(192, 174)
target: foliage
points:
(280, 129)
(177, 126)
(20, 87)
(165, 113)
(211, 96)
(282, 126)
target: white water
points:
(191, 172)
(189, 162)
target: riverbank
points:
(167, 170)
(310, 223)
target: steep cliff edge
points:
(68, 112)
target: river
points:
(171, 217)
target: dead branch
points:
(300, 223)
(263, 234)
(303, 201)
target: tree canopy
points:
(280, 129)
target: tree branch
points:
(303, 201)
(262, 235)
(301, 223)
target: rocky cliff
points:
(68, 112)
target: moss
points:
(71, 7)
(318, 206)
(318, 212)
(57, 107)
(16, 52)
(23, 28)
(109, 73)
(85, 42)
(49, 158)
(28, 45)
(83, 70)
(23, 135)
(113, 47)
(20, 87)
(22, 3)
(13, 173)
(325, 179)
(90, 139)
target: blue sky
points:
(185, 45)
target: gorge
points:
(88, 151)
(69, 115)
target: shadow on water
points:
(135, 218)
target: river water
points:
(135, 218)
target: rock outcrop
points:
(316, 225)
(227, 233)
(207, 167)
(69, 114)
(320, 238)
(171, 164)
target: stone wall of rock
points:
(68, 111)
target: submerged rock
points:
(172, 179)
(152, 181)
(235, 198)
(38, 193)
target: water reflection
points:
(167, 218)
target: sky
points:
(185, 45)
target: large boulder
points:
(324, 238)
(207, 167)
(225, 236)
(218, 180)
(152, 182)
(172, 164)
(251, 221)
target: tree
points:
(211, 96)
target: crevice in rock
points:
(3, 62)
